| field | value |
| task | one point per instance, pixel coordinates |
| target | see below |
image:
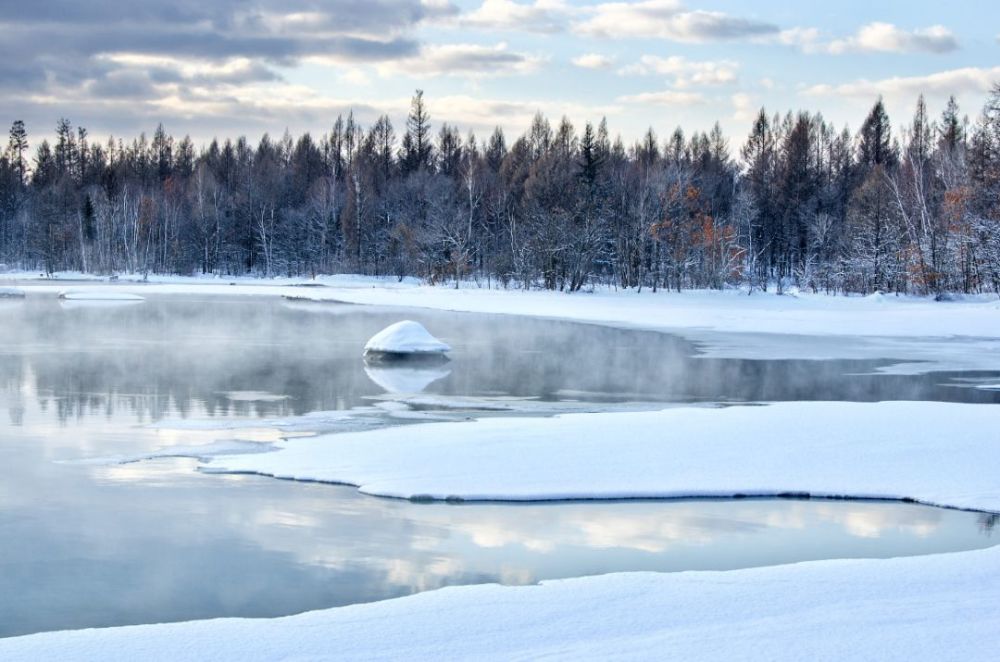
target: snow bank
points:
(99, 294)
(11, 293)
(940, 607)
(936, 453)
(406, 337)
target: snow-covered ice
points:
(202, 452)
(11, 293)
(254, 396)
(939, 607)
(935, 453)
(99, 294)
(405, 338)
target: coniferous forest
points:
(912, 207)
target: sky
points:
(229, 67)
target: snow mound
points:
(11, 293)
(405, 338)
(98, 295)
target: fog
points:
(190, 356)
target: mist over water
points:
(96, 545)
(188, 356)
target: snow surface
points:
(202, 452)
(406, 337)
(902, 450)
(98, 294)
(939, 607)
(11, 293)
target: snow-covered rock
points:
(405, 338)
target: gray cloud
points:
(88, 52)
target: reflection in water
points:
(155, 541)
(187, 356)
(89, 545)
(403, 378)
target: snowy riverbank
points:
(940, 607)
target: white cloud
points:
(593, 61)
(468, 60)
(686, 73)
(537, 16)
(877, 37)
(970, 80)
(888, 38)
(665, 98)
(743, 107)
(482, 114)
(807, 39)
(667, 19)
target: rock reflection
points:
(403, 378)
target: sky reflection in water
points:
(91, 545)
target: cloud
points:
(482, 114)
(468, 60)
(888, 38)
(970, 80)
(665, 98)
(97, 45)
(169, 59)
(743, 107)
(544, 16)
(875, 37)
(668, 19)
(686, 73)
(593, 61)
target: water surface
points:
(97, 545)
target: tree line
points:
(799, 203)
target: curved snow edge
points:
(576, 497)
(886, 450)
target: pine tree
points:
(417, 150)
(17, 147)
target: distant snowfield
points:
(920, 334)
(939, 607)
